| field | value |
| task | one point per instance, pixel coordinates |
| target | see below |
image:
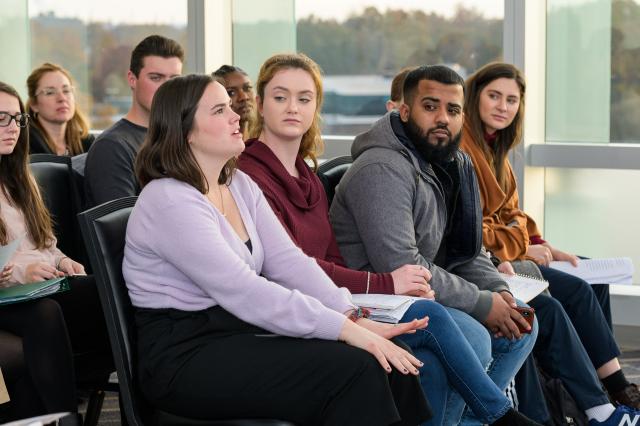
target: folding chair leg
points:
(96, 399)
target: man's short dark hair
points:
(221, 73)
(439, 73)
(154, 45)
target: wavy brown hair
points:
(507, 138)
(19, 186)
(165, 151)
(77, 128)
(311, 145)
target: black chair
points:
(104, 228)
(331, 171)
(61, 196)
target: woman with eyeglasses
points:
(35, 352)
(57, 125)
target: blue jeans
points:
(507, 358)
(456, 349)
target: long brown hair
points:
(166, 151)
(507, 138)
(77, 128)
(311, 145)
(19, 186)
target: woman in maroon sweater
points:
(286, 132)
(283, 136)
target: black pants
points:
(87, 330)
(36, 360)
(561, 352)
(588, 307)
(209, 364)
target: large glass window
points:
(593, 71)
(93, 40)
(592, 212)
(261, 29)
(362, 44)
(593, 96)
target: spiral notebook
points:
(523, 287)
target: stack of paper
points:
(524, 288)
(385, 307)
(24, 292)
(617, 270)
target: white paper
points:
(385, 307)
(524, 288)
(618, 270)
(7, 251)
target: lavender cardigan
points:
(182, 253)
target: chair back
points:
(331, 171)
(104, 228)
(54, 176)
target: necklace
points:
(221, 209)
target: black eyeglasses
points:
(22, 120)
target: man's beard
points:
(444, 148)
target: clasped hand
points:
(503, 319)
(413, 280)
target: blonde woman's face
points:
(498, 104)
(289, 104)
(55, 98)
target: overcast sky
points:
(162, 12)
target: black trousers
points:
(588, 307)
(36, 359)
(210, 365)
(575, 338)
(87, 330)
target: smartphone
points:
(528, 314)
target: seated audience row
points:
(407, 217)
(231, 276)
(286, 132)
(408, 167)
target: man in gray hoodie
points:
(411, 197)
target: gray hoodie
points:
(389, 211)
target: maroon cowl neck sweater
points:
(302, 207)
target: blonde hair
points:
(311, 145)
(77, 127)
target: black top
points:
(249, 245)
(38, 145)
(109, 170)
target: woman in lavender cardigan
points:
(233, 319)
